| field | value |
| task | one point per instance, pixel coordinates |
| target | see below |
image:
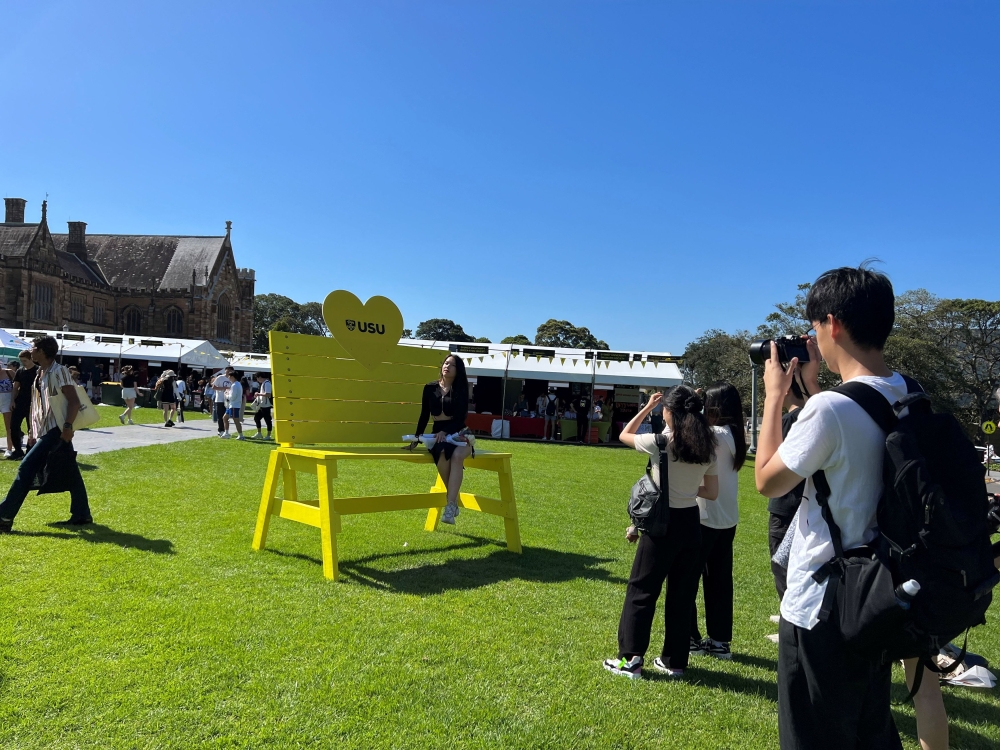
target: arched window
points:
(175, 322)
(133, 320)
(224, 325)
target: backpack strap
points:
(661, 443)
(874, 403)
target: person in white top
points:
(262, 400)
(180, 390)
(724, 412)
(220, 384)
(234, 407)
(691, 474)
(828, 696)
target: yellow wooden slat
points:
(348, 369)
(321, 346)
(341, 432)
(348, 390)
(348, 506)
(317, 410)
(301, 512)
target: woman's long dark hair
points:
(724, 408)
(692, 438)
(461, 382)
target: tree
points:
(518, 339)
(275, 312)
(483, 340)
(407, 333)
(442, 329)
(562, 333)
(718, 355)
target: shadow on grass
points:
(86, 467)
(756, 661)
(726, 681)
(99, 534)
(535, 564)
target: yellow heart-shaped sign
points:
(369, 331)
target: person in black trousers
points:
(581, 403)
(673, 557)
(21, 398)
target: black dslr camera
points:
(788, 347)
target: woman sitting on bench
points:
(447, 401)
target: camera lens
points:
(760, 350)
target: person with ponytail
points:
(724, 413)
(674, 557)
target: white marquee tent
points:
(168, 351)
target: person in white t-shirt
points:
(180, 390)
(234, 407)
(220, 384)
(724, 413)
(828, 696)
(262, 400)
(691, 471)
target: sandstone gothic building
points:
(146, 285)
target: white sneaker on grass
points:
(631, 668)
(258, 436)
(241, 437)
(775, 619)
(121, 418)
(224, 435)
(662, 668)
(773, 637)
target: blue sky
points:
(649, 170)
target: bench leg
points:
(290, 488)
(434, 514)
(329, 521)
(267, 501)
(510, 524)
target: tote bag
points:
(87, 415)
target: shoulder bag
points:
(649, 505)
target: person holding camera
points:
(829, 696)
(674, 557)
(724, 413)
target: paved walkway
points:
(104, 439)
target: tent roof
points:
(191, 352)
(658, 369)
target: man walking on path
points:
(21, 397)
(47, 435)
(220, 384)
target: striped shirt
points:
(48, 383)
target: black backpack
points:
(649, 505)
(550, 406)
(933, 528)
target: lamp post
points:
(753, 408)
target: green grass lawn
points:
(109, 417)
(160, 628)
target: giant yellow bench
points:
(323, 395)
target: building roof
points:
(15, 239)
(141, 261)
(72, 265)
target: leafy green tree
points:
(407, 333)
(442, 329)
(483, 340)
(717, 355)
(562, 333)
(275, 312)
(518, 339)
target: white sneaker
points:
(448, 516)
(224, 435)
(241, 437)
(631, 668)
(131, 422)
(659, 666)
(258, 436)
(775, 619)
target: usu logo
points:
(363, 327)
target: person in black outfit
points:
(581, 403)
(782, 509)
(447, 401)
(691, 473)
(21, 397)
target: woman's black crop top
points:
(435, 403)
